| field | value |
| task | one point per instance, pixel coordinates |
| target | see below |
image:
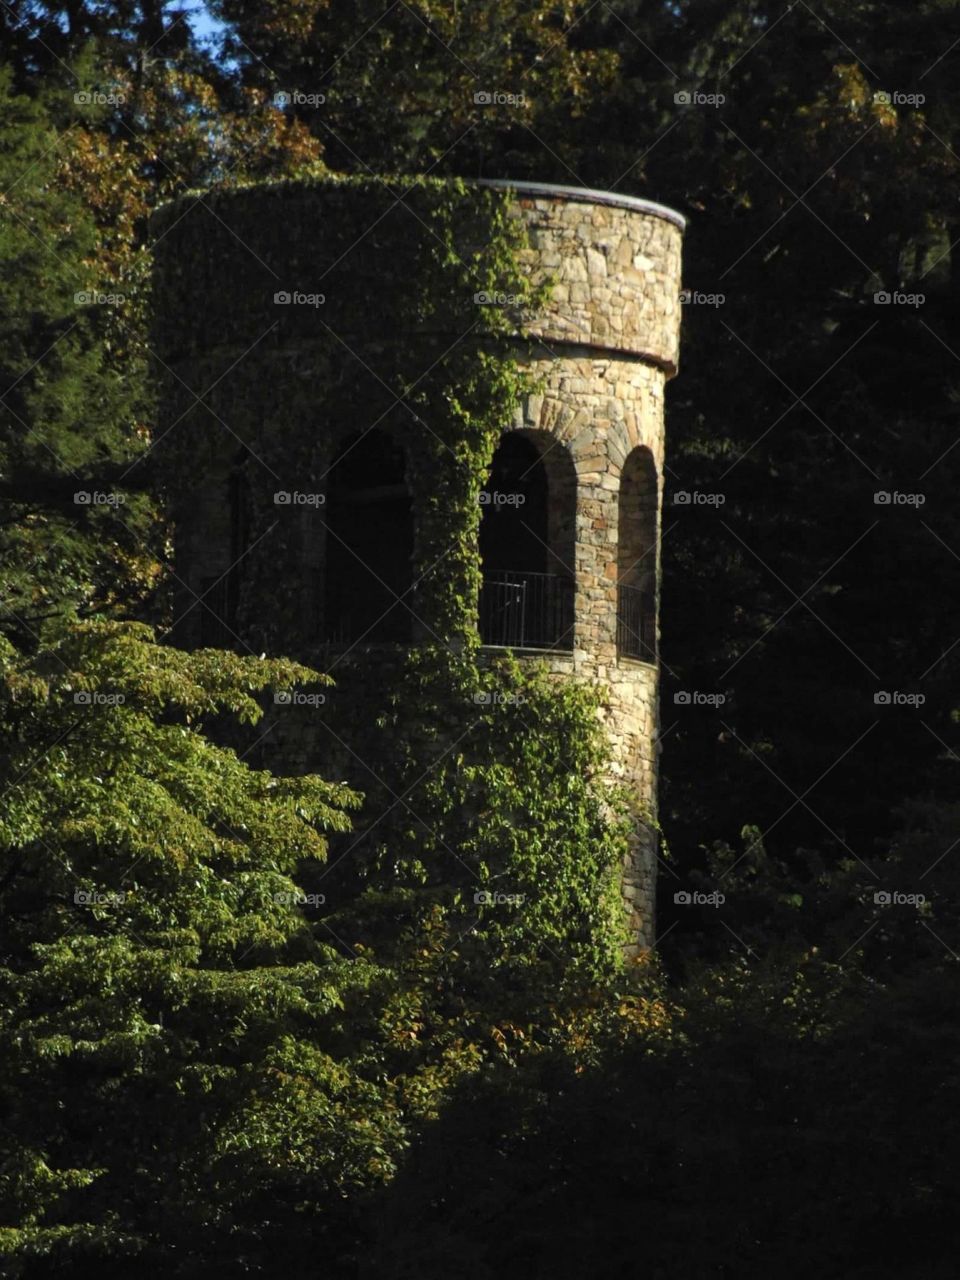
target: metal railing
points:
(637, 623)
(217, 609)
(523, 610)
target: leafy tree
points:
(417, 87)
(789, 1114)
(177, 1042)
(72, 421)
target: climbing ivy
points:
(399, 339)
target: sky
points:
(203, 22)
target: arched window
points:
(527, 542)
(369, 543)
(637, 558)
(220, 593)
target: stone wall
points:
(608, 341)
(615, 263)
(601, 407)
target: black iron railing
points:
(217, 609)
(523, 610)
(637, 623)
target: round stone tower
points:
(609, 342)
(570, 512)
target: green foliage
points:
(442, 63)
(381, 337)
(788, 1116)
(195, 1079)
(70, 419)
(182, 1052)
(176, 1039)
(506, 842)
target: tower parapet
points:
(608, 341)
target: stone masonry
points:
(608, 342)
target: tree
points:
(450, 88)
(177, 1041)
(75, 533)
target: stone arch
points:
(527, 543)
(367, 568)
(637, 557)
(623, 437)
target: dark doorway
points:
(221, 593)
(637, 558)
(369, 543)
(527, 528)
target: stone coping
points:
(585, 195)
(624, 660)
(524, 651)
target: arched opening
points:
(368, 572)
(220, 593)
(527, 543)
(637, 558)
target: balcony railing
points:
(523, 610)
(217, 609)
(637, 624)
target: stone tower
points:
(610, 343)
(569, 534)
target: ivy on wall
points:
(398, 340)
